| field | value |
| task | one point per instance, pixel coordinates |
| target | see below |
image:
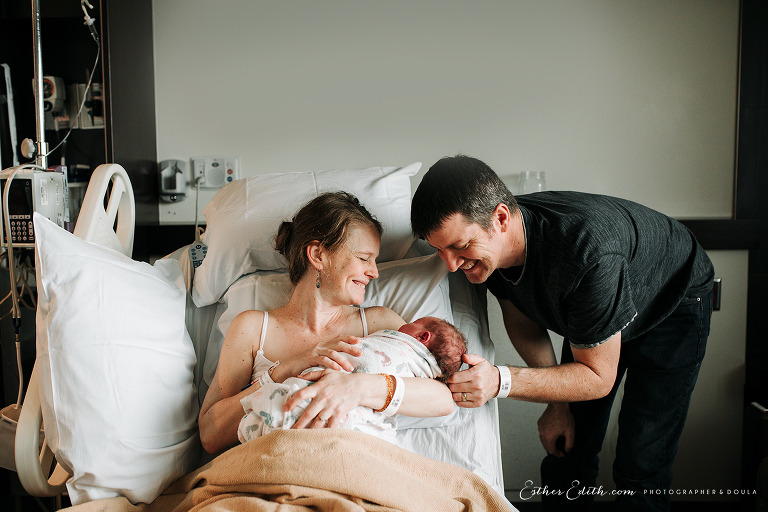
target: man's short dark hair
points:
(458, 184)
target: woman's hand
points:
(331, 397)
(336, 393)
(329, 355)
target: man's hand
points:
(555, 422)
(477, 384)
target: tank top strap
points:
(263, 338)
(365, 323)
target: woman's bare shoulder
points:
(250, 315)
(246, 323)
(380, 317)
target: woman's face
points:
(353, 265)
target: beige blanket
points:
(319, 470)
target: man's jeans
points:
(661, 368)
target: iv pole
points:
(42, 147)
(12, 412)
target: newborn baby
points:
(428, 347)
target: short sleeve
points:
(599, 303)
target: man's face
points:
(466, 246)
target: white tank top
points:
(261, 364)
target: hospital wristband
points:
(391, 384)
(265, 378)
(397, 398)
(505, 382)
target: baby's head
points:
(441, 338)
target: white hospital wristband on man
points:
(505, 381)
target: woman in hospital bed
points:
(331, 246)
(428, 347)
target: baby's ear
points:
(424, 338)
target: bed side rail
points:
(96, 223)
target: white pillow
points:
(412, 288)
(243, 217)
(115, 365)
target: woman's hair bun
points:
(283, 237)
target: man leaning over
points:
(628, 288)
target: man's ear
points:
(316, 254)
(503, 216)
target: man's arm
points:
(590, 376)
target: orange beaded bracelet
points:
(390, 391)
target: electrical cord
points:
(198, 180)
(22, 280)
(82, 104)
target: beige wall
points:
(636, 99)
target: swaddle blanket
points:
(384, 351)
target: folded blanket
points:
(320, 470)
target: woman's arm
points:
(222, 411)
(336, 393)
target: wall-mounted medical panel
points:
(187, 187)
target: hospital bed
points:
(126, 351)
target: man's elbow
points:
(603, 386)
